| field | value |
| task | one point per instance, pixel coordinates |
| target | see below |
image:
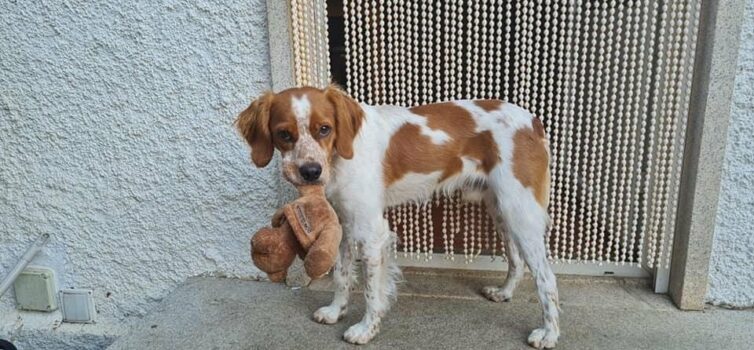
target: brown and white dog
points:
(375, 157)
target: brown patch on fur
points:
(283, 119)
(448, 117)
(348, 119)
(488, 105)
(253, 125)
(484, 148)
(411, 152)
(531, 160)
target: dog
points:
(374, 157)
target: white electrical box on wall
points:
(77, 306)
(35, 289)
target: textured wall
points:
(732, 261)
(116, 138)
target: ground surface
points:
(435, 310)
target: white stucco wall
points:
(116, 139)
(732, 261)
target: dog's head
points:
(308, 126)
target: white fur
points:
(358, 194)
(301, 108)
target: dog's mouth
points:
(315, 182)
(296, 180)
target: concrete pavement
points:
(435, 310)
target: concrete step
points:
(435, 309)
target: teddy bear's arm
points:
(278, 218)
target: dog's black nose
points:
(310, 171)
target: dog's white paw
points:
(361, 333)
(497, 294)
(543, 338)
(329, 314)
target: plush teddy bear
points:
(307, 227)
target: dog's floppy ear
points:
(254, 125)
(348, 118)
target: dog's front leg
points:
(380, 274)
(343, 276)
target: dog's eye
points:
(285, 136)
(324, 130)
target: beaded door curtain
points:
(610, 79)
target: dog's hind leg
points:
(515, 262)
(526, 222)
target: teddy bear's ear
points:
(254, 125)
(348, 118)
